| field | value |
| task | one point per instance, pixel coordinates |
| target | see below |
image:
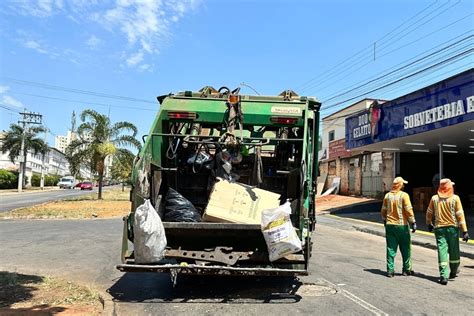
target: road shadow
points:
(426, 277)
(157, 287)
(377, 271)
(18, 288)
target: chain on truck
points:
(265, 142)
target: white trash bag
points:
(279, 233)
(149, 234)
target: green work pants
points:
(447, 240)
(398, 235)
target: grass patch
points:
(108, 195)
(115, 203)
(20, 293)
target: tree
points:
(97, 139)
(12, 143)
(122, 166)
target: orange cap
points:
(445, 189)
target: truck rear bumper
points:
(209, 270)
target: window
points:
(331, 135)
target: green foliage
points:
(98, 138)
(8, 179)
(49, 181)
(122, 165)
(12, 141)
(36, 180)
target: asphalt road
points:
(347, 275)
(12, 201)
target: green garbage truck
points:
(268, 143)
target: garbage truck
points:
(267, 143)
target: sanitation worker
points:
(397, 212)
(448, 215)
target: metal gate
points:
(371, 183)
(372, 175)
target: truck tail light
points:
(284, 120)
(182, 115)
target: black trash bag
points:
(179, 209)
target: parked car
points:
(78, 185)
(87, 186)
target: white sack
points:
(149, 238)
(279, 233)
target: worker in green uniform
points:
(397, 212)
(448, 215)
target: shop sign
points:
(439, 113)
(337, 149)
(443, 104)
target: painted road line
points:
(364, 304)
(419, 232)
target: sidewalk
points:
(341, 203)
(364, 215)
(4, 192)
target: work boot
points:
(443, 281)
(453, 275)
(407, 273)
(390, 274)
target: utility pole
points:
(42, 162)
(28, 118)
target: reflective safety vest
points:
(397, 209)
(446, 212)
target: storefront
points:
(430, 133)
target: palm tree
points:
(11, 143)
(99, 138)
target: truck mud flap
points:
(210, 270)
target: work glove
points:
(430, 228)
(465, 236)
(413, 227)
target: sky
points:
(117, 56)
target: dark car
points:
(87, 186)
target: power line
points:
(406, 77)
(73, 90)
(9, 108)
(355, 70)
(83, 102)
(398, 69)
(384, 46)
(418, 86)
(311, 83)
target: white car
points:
(66, 183)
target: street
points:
(347, 274)
(12, 201)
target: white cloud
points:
(39, 8)
(144, 25)
(35, 45)
(10, 101)
(135, 59)
(93, 41)
(4, 89)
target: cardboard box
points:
(238, 203)
(422, 197)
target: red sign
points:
(337, 149)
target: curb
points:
(413, 241)
(108, 306)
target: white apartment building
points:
(61, 142)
